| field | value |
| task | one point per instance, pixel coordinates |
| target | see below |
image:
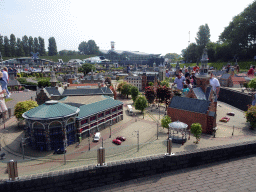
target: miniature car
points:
(60, 151)
(116, 141)
(231, 114)
(224, 119)
(121, 138)
(96, 137)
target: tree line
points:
(21, 47)
(236, 42)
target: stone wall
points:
(235, 98)
(92, 176)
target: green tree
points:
(19, 51)
(92, 48)
(25, 45)
(36, 45)
(252, 84)
(30, 44)
(251, 116)
(150, 83)
(172, 57)
(141, 104)
(86, 68)
(44, 83)
(120, 86)
(22, 107)
(126, 89)
(165, 121)
(52, 49)
(203, 35)
(134, 93)
(1, 45)
(13, 45)
(83, 47)
(42, 51)
(190, 53)
(196, 130)
(7, 50)
(165, 83)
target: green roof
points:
(51, 110)
(93, 108)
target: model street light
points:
(110, 129)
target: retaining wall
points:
(235, 98)
(91, 176)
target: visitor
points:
(3, 107)
(251, 71)
(179, 80)
(167, 74)
(227, 69)
(193, 79)
(4, 81)
(195, 68)
(180, 73)
(254, 99)
(185, 90)
(214, 82)
(188, 83)
(197, 72)
(187, 75)
(237, 68)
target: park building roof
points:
(51, 110)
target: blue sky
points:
(137, 25)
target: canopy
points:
(178, 126)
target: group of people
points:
(187, 81)
(4, 93)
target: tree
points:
(172, 57)
(41, 46)
(150, 83)
(252, 84)
(30, 44)
(134, 93)
(13, 45)
(7, 51)
(251, 116)
(22, 107)
(120, 86)
(52, 49)
(150, 94)
(19, 51)
(196, 130)
(108, 80)
(165, 83)
(44, 83)
(25, 45)
(92, 48)
(141, 104)
(36, 45)
(1, 46)
(165, 122)
(86, 68)
(126, 89)
(83, 47)
(203, 35)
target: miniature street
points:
(36, 162)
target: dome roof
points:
(51, 110)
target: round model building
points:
(51, 126)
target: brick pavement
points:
(235, 175)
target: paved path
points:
(235, 175)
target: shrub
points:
(251, 116)
(196, 130)
(44, 83)
(252, 84)
(22, 107)
(16, 88)
(22, 88)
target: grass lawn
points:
(8, 99)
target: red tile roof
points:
(238, 79)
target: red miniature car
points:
(121, 138)
(116, 141)
(225, 119)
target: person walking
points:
(3, 107)
(214, 82)
(251, 71)
(179, 80)
(5, 81)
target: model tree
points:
(251, 116)
(141, 104)
(120, 86)
(86, 68)
(134, 93)
(165, 122)
(150, 95)
(126, 90)
(22, 107)
(196, 130)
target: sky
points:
(159, 26)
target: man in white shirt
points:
(5, 80)
(214, 82)
(179, 80)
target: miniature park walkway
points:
(175, 181)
